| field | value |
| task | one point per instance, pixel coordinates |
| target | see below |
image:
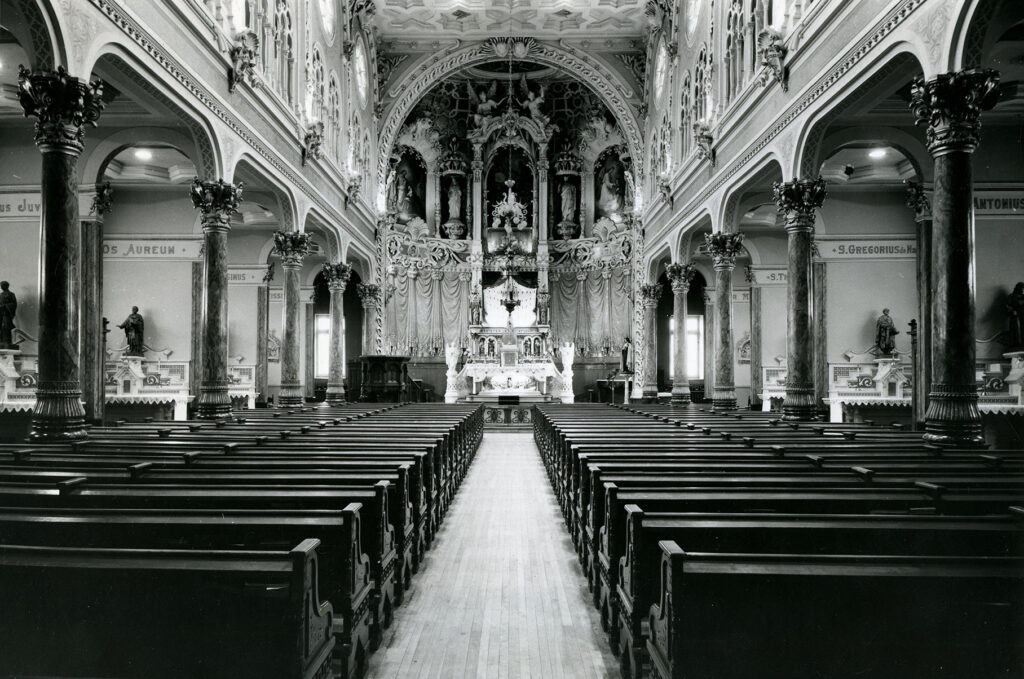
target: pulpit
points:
(384, 379)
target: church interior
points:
(511, 338)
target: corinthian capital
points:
(217, 200)
(723, 248)
(62, 106)
(369, 293)
(649, 295)
(680, 276)
(292, 246)
(950, 105)
(798, 199)
(337, 275)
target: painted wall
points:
(999, 251)
(857, 291)
(19, 265)
(162, 291)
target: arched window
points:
(332, 126)
(284, 53)
(685, 118)
(702, 87)
(315, 86)
(757, 24)
(734, 46)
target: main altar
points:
(508, 245)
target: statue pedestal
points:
(1015, 380)
(130, 376)
(889, 377)
(8, 373)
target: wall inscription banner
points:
(767, 277)
(246, 275)
(20, 205)
(999, 203)
(166, 249)
(867, 248)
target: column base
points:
(953, 419)
(681, 395)
(335, 395)
(649, 393)
(58, 414)
(799, 404)
(213, 402)
(724, 399)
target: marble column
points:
(819, 332)
(709, 344)
(262, 341)
(93, 353)
(292, 246)
(756, 366)
(680, 276)
(478, 193)
(723, 248)
(217, 201)
(950, 106)
(369, 294)
(918, 202)
(797, 201)
(62, 106)
(337, 276)
(649, 296)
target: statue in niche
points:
(627, 350)
(134, 328)
(454, 200)
(8, 307)
(483, 100)
(402, 200)
(533, 101)
(885, 334)
(610, 196)
(568, 193)
(1015, 316)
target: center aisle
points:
(501, 593)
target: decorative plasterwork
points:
(417, 81)
(856, 54)
(204, 97)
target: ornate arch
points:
(418, 81)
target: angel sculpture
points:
(484, 101)
(533, 101)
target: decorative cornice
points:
(950, 107)
(217, 200)
(797, 201)
(62, 105)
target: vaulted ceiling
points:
(474, 19)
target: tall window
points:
(685, 120)
(694, 347)
(702, 87)
(322, 345)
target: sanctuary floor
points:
(502, 594)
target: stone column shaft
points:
(217, 200)
(723, 248)
(649, 296)
(917, 200)
(93, 353)
(680, 276)
(950, 106)
(337, 279)
(369, 294)
(797, 200)
(62, 106)
(291, 382)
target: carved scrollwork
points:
(244, 53)
(772, 50)
(312, 142)
(102, 199)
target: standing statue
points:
(133, 327)
(610, 200)
(454, 200)
(568, 193)
(484, 102)
(8, 307)
(1015, 314)
(533, 101)
(627, 349)
(885, 334)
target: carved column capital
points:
(217, 200)
(102, 200)
(950, 105)
(337, 276)
(292, 246)
(62, 105)
(369, 293)
(680, 276)
(724, 248)
(917, 200)
(649, 295)
(797, 201)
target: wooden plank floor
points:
(502, 593)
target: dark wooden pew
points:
(163, 614)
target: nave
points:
(502, 594)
